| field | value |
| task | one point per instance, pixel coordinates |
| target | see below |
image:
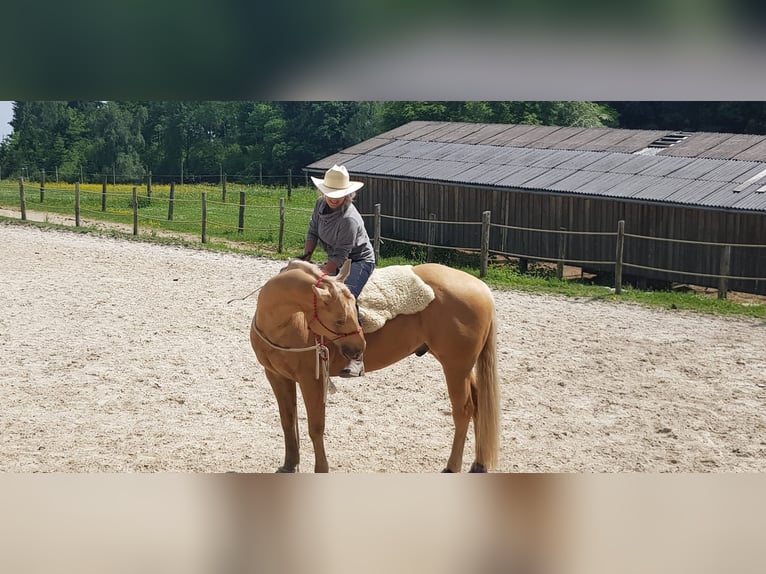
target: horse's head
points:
(335, 313)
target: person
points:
(338, 227)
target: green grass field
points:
(260, 234)
(261, 221)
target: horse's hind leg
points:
(459, 383)
(286, 394)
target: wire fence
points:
(283, 226)
(254, 175)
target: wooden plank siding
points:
(541, 210)
(582, 179)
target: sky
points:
(6, 115)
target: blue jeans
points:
(358, 275)
(357, 278)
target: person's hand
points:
(305, 257)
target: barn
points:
(693, 204)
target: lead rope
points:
(322, 357)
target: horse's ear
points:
(321, 294)
(341, 277)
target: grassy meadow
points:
(260, 234)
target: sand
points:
(124, 356)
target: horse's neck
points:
(282, 306)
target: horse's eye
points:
(340, 323)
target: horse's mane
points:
(303, 265)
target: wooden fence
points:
(619, 237)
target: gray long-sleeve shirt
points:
(340, 232)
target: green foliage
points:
(249, 139)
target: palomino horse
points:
(300, 306)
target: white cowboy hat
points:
(336, 182)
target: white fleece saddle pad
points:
(392, 291)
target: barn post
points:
(376, 238)
(562, 253)
(281, 224)
(171, 200)
(77, 204)
(204, 217)
(723, 280)
(618, 256)
(486, 217)
(135, 211)
(22, 199)
(241, 223)
(431, 236)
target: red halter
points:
(318, 320)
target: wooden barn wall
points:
(539, 210)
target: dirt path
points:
(118, 356)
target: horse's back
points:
(456, 287)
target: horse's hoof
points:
(448, 471)
(476, 467)
(286, 470)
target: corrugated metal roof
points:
(666, 166)
(496, 155)
(756, 152)
(697, 145)
(554, 139)
(521, 176)
(485, 132)
(733, 146)
(575, 182)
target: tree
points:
(118, 141)
(728, 117)
(583, 114)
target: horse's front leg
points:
(313, 397)
(286, 394)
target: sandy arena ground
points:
(124, 356)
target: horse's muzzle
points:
(351, 351)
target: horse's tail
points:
(487, 419)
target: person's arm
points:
(330, 267)
(308, 249)
(311, 234)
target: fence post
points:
(281, 224)
(431, 236)
(289, 182)
(42, 186)
(171, 200)
(618, 256)
(241, 223)
(77, 204)
(723, 281)
(204, 217)
(223, 188)
(376, 238)
(149, 185)
(103, 194)
(22, 199)
(135, 211)
(562, 253)
(260, 174)
(486, 217)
